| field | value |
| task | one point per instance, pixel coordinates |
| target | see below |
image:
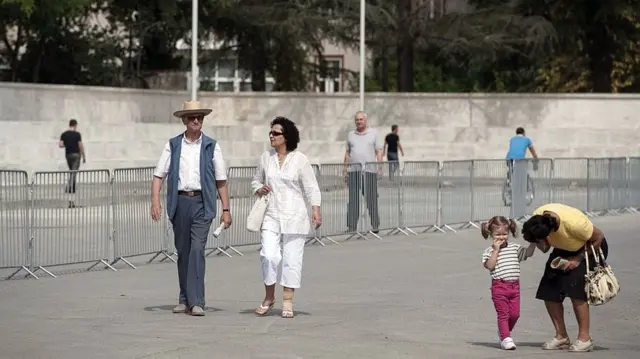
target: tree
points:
(150, 31)
(50, 41)
(595, 42)
(405, 33)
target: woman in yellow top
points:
(567, 230)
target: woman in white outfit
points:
(287, 174)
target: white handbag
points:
(258, 210)
(601, 285)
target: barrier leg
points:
(330, 240)
(122, 259)
(44, 270)
(235, 250)
(169, 256)
(220, 251)
(315, 239)
(106, 264)
(23, 268)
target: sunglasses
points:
(275, 133)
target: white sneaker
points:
(508, 344)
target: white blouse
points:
(291, 185)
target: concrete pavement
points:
(403, 297)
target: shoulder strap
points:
(265, 166)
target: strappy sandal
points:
(287, 309)
(263, 310)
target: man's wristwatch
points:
(225, 210)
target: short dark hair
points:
(289, 131)
(73, 123)
(538, 227)
(394, 127)
(519, 131)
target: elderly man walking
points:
(192, 163)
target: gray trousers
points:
(367, 184)
(190, 237)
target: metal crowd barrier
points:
(101, 218)
(133, 233)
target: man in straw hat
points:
(192, 163)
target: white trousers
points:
(291, 258)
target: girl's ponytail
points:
(513, 227)
(484, 229)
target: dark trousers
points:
(356, 180)
(392, 157)
(190, 238)
(73, 162)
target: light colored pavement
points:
(403, 297)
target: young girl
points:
(502, 260)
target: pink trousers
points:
(506, 299)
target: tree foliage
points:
(596, 47)
(496, 46)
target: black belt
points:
(190, 193)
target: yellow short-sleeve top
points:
(575, 227)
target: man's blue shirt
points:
(518, 146)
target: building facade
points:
(339, 66)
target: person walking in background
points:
(391, 147)
(193, 165)
(71, 141)
(363, 146)
(287, 174)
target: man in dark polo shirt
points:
(391, 147)
(71, 141)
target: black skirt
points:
(556, 284)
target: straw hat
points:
(192, 108)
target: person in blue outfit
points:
(518, 146)
(195, 170)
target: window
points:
(245, 86)
(227, 76)
(225, 86)
(226, 68)
(330, 75)
(207, 85)
(244, 74)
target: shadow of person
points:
(496, 345)
(275, 312)
(169, 308)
